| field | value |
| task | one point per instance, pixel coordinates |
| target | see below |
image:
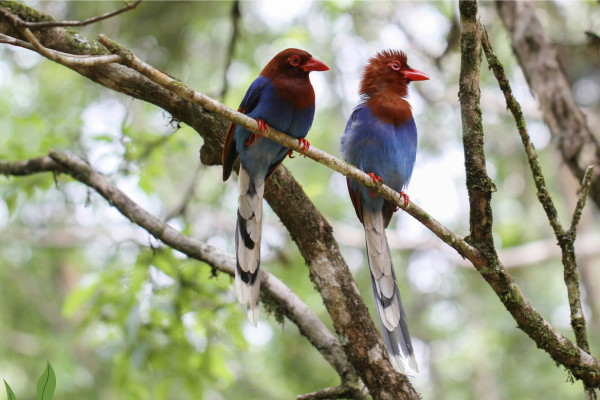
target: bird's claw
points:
(262, 125)
(305, 146)
(406, 200)
(252, 136)
(376, 179)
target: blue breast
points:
(380, 148)
(261, 101)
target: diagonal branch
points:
(287, 302)
(566, 240)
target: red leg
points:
(406, 199)
(262, 125)
(290, 153)
(252, 136)
(376, 179)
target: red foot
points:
(252, 136)
(406, 201)
(305, 146)
(376, 179)
(262, 125)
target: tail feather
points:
(387, 295)
(247, 243)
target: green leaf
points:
(9, 392)
(46, 384)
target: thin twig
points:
(28, 167)
(16, 42)
(38, 25)
(235, 22)
(57, 56)
(585, 188)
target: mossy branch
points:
(566, 240)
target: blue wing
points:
(380, 148)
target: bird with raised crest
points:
(381, 140)
(281, 97)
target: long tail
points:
(387, 295)
(247, 243)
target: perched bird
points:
(281, 97)
(381, 140)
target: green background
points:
(119, 316)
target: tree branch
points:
(38, 25)
(539, 61)
(288, 303)
(61, 58)
(585, 188)
(565, 239)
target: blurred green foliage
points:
(123, 317)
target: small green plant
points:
(45, 386)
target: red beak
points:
(314, 65)
(414, 75)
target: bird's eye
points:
(295, 61)
(395, 65)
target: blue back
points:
(261, 101)
(380, 148)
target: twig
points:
(38, 25)
(61, 58)
(23, 168)
(565, 239)
(235, 22)
(16, 42)
(585, 188)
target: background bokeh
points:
(121, 316)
